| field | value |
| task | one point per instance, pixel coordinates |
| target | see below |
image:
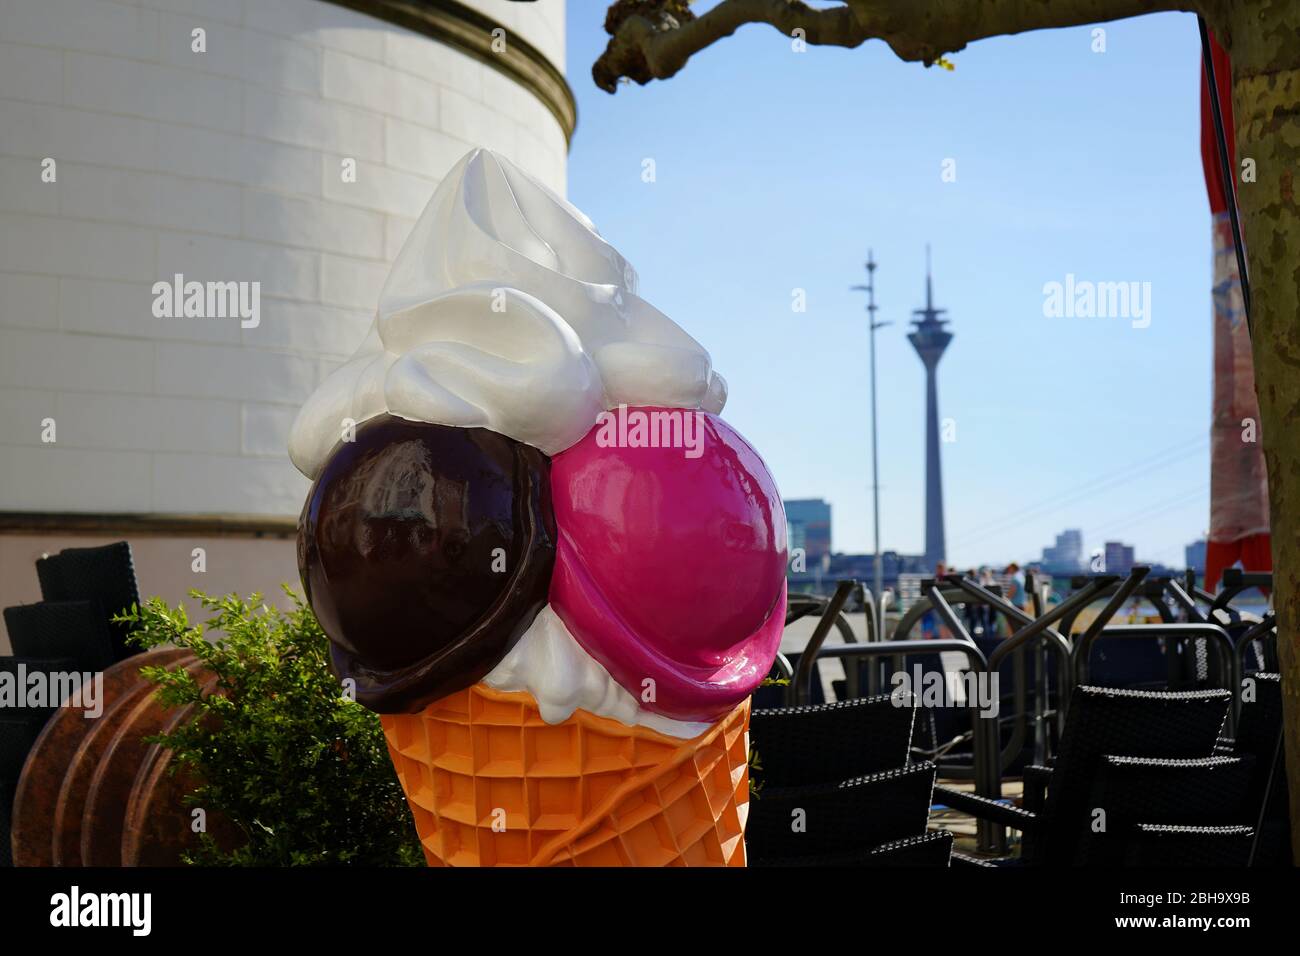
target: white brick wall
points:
(540, 23)
(30, 302)
(224, 166)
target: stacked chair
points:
(1178, 765)
(69, 631)
(1259, 739)
(833, 785)
(1140, 778)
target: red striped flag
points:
(1239, 529)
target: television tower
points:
(930, 339)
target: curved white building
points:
(285, 146)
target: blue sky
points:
(777, 170)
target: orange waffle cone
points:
(587, 792)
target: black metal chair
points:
(21, 673)
(827, 743)
(78, 630)
(855, 816)
(833, 787)
(1164, 845)
(18, 731)
(105, 574)
(1261, 715)
(1259, 731)
(1206, 791)
(1101, 722)
(1141, 665)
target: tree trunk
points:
(1263, 39)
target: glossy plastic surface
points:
(671, 561)
(425, 552)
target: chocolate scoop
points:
(425, 552)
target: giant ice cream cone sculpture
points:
(541, 555)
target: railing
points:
(832, 614)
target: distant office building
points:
(1066, 556)
(808, 523)
(819, 578)
(1194, 555)
(892, 564)
(895, 564)
(1119, 557)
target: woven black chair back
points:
(1158, 845)
(1209, 791)
(1103, 721)
(1257, 736)
(828, 743)
(104, 574)
(856, 815)
(77, 630)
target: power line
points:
(1181, 500)
(1096, 485)
(1163, 459)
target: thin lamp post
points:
(878, 579)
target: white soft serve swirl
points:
(506, 309)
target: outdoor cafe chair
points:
(853, 816)
(77, 630)
(1155, 845)
(1132, 791)
(105, 574)
(1259, 735)
(833, 785)
(827, 743)
(1100, 722)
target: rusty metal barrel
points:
(94, 792)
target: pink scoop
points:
(670, 563)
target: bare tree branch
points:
(654, 39)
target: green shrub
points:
(299, 772)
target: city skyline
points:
(807, 513)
